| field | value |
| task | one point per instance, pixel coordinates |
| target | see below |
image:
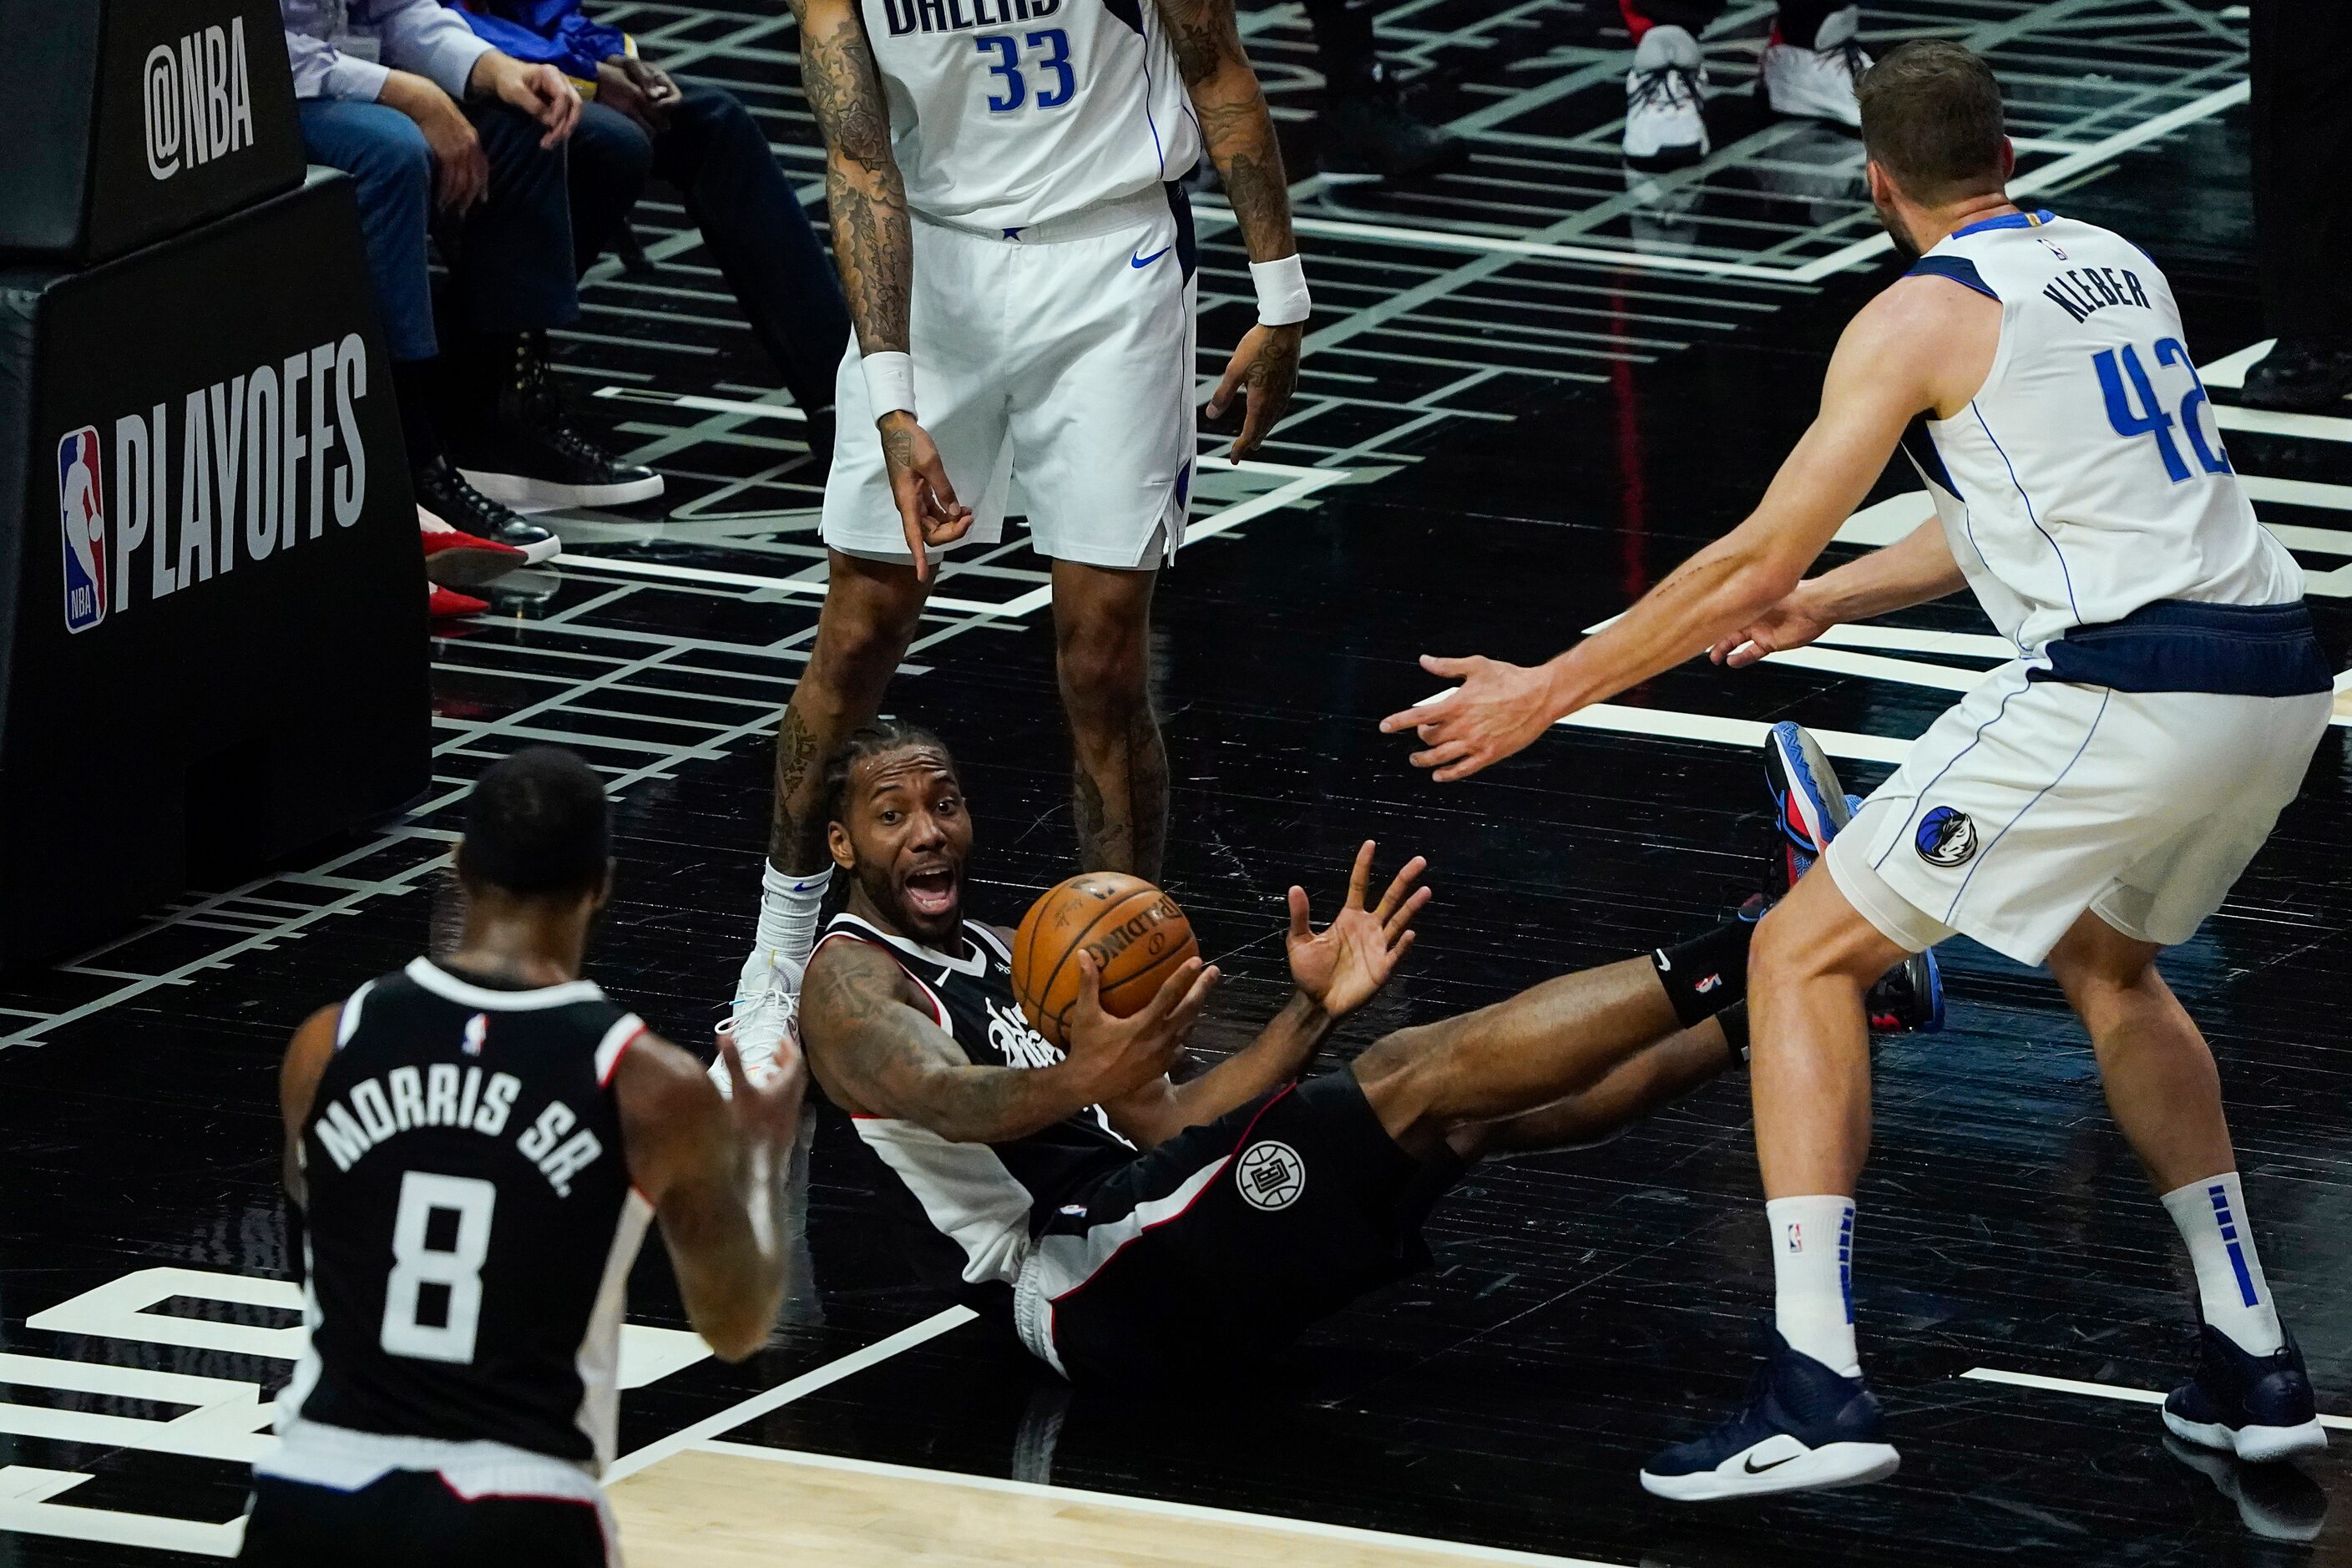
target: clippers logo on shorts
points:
(198, 99)
(81, 516)
(1945, 836)
(1270, 1174)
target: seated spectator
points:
(426, 119)
(639, 120)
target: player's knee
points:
(1105, 669)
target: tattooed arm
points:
(876, 1048)
(873, 248)
(1240, 136)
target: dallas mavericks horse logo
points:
(1945, 836)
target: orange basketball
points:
(1135, 932)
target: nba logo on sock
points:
(81, 518)
(1796, 1237)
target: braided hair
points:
(881, 738)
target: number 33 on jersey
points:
(1005, 113)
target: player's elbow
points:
(738, 1331)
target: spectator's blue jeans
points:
(717, 156)
(510, 263)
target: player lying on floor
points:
(1143, 1229)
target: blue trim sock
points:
(2231, 1291)
(1812, 1277)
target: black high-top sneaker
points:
(443, 491)
(524, 451)
(1369, 135)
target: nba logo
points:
(81, 515)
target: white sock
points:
(1812, 1277)
(2231, 1289)
(788, 911)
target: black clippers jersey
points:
(990, 1199)
(470, 1221)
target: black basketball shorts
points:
(410, 1518)
(1219, 1246)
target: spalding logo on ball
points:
(1137, 934)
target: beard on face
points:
(879, 882)
(1903, 246)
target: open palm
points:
(1340, 967)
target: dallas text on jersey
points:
(950, 15)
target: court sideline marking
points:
(2098, 1390)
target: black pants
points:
(510, 258)
(2301, 119)
(410, 1519)
(714, 152)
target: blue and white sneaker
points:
(2257, 1407)
(1805, 1429)
(1808, 804)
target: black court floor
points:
(1531, 387)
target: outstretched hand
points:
(765, 1108)
(1499, 709)
(1342, 967)
(1118, 1056)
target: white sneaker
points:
(1664, 127)
(766, 1012)
(1818, 83)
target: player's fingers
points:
(736, 1080)
(1256, 420)
(1435, 710)
(1236, 368)
(910, 522)
(1745, 654)
(1171, 995)
(1404, 946)
(1452, 668)
(1475, 762)
(1196, 996)
(1440, 756)
(935, 475)
(1299, 930)
(1400, 886)
(1399, 926)
(1359, 875)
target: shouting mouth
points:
(931, 893)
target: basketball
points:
(1137, 934)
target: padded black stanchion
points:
(211, 598)
(132, 120)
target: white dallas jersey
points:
(2086, 480)
(1005, 113)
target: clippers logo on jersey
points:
(1270, 1174)
(81, 516)
(1945, 836)
(1011, 1036)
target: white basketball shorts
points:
(1061, 360)
(2029, 802)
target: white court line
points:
(2051, 173)
(2099, 1390)
(1672, 724)
(2230, 370)
(2297, 492)
(808, 1383)
(1310, 1528)
(810, 587)
(705, 404)
(2267, 422)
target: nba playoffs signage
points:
(229, 473)
(132, 120)
(211, 596)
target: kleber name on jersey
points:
(905, 16)
(223, 477)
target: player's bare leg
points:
(2161, 1084)
(1654, 1075)
(2251, 1395)
(1809, 1068)
(1563, 1036)
(1102, 649)
(871, 609)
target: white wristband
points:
(890, 382)
(1281, 291)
